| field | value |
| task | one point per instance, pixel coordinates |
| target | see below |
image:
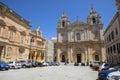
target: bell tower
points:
(95, 25)
(64, 21)
(94, 18)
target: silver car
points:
(26, 63)
(14, 64)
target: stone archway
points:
(96, 57)
(31, 54)
(63, 57)
(38, 56)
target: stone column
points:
(89, 54)
(86, 55)
(69, 34)
(2, 53)
(71, 55)
(58, 36)
(88, 35)
(58, 55)
(71, 38)
(103, 55)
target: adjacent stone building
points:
(112, 38)
(80, 41)
(51, 50)
(37, 45)
(15, 36)
(54, 40)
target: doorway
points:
(96, 57)
(78, 58)
(63, 58)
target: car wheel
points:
(6, 69)
(24, 66)
(13, 67)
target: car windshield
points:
(28, 61)
(17, 61)
(117, 68)
(10, 62)
(22, 61)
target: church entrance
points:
(78, 58)
(63, 58)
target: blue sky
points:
(46, 13)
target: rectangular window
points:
(114, 48)
(38, 43)
(111, 49)
(118, 47)
(78, 36)
(109, 37)
(112, 35)
(116, 31)
(11, 35)
(108, 50)
(22, 39)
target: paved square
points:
(62, 72)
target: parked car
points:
(95, 65)
(26, 63)
(114, 75)
(108, 67)
(45, 64)
(103, 66)
(4, 66)
(102, 75)
(39, 64)
(54, 64)
(14, 64)
(34, 63)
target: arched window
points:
(63, 24)
(78, 36)
(93, 20)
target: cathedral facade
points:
(80, 42)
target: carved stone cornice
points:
(5, 11)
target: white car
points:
(45, 64)
(114, 75)
(102, 66)
(14, 64)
